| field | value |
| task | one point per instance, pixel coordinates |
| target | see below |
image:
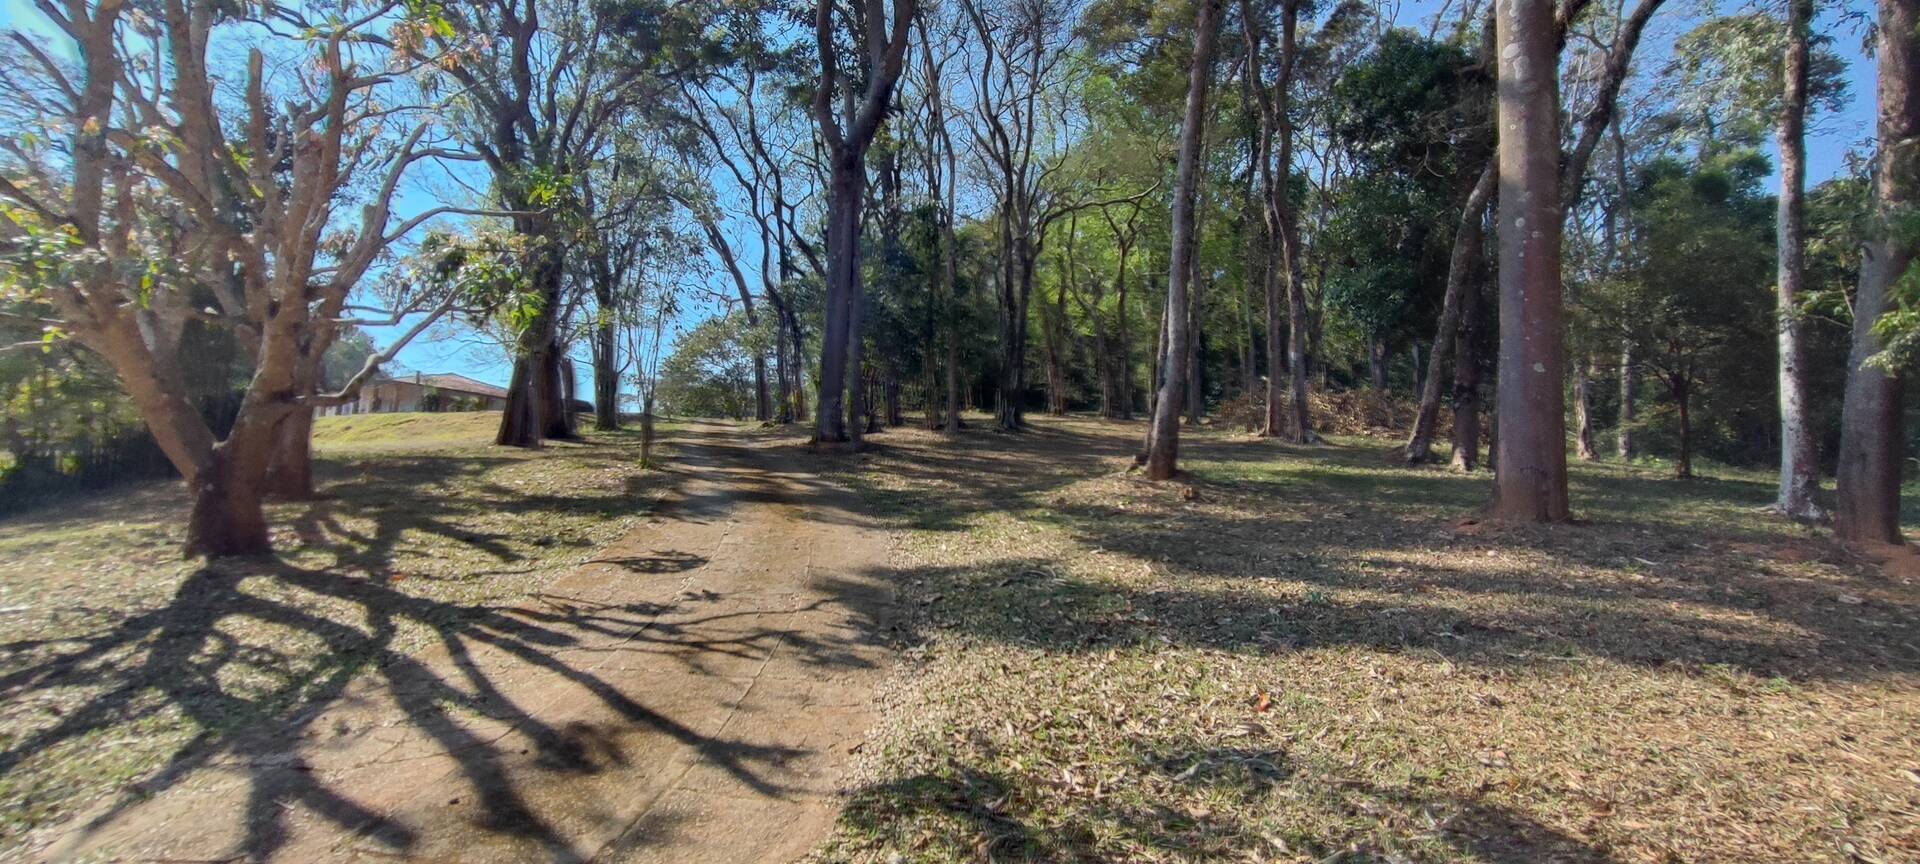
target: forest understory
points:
(1317, 654)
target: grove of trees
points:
(1552, 228)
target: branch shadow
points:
(255, 705)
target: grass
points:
(124, 665)
(417, 431)
(1318, 655)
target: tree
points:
(1163, 445)
(1799, 453)
(1870, 467)
(847, 139)
(1691, 304)
(1273, 155)
(1023, 49)
(147, 216)
(545, 85)
(1531, 482)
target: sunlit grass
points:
(1309, 654)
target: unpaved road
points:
(693, 695)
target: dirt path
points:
(701, 685)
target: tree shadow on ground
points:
(964, 813)
(257, 656)
(1663, 573)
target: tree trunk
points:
(1531, 483)
(606, 373)
(1466, 366)
(1249, 376)
(1871, 443)
(1469, 242)
(646, 432)
(290, 468)
(1277, 365)
(1192, 391)
(1583, 411)
(226, 516)
(520, 417)
(780, 373)
(1164, 448)
(1683, 400)
(839, 372)
(1629, 399)
(1274, 151)
(953, 380)
(1799, 452)
(1377, 359)
(896, 415)
(1125, 333)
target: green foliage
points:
(710, 372)
(1727, 84)
(1403, 110)
(1695, 302)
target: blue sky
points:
(453, 348)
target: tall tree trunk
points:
(1249, 376)
(1871, 443)
(896, 415)
(1192, 391)
(1683, 400)
(1163, 451)
(1419, 372)
(780, 373)
(606, 372)
(1057, 346)
(556, 404)
(1629, 402)
(953, 380)
(1469, 241)
(1299, 358)
(1799, 452)
(837, 373)
(1275, 153)
(1466, 365)
(1583, 411)
(1125, 332)
(884, 44)
(1531, 482)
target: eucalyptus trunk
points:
(1799, 452)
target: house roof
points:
(462, 384)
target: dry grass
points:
(124, 665)
(1313, 657)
